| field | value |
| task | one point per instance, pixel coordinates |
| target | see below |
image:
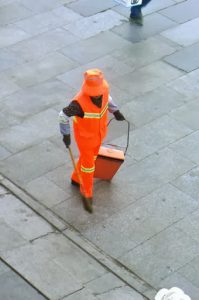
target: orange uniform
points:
(89, 110)
(91, 129)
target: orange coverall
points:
(89, 128)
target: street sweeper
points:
(89, 109)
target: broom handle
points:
(75, 167)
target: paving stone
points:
(44, 265)
(5, 2)
(9, 238)
(180, 281)
(3, 191)
(154, 136)
(10, 35)
(80, 265)
(47, 276)
(152, 105)
(121, 293)
(61, 176)
(156, 6)
(48, 20)
(95, 24)
(121, 9)
(187, 84)
(164, 254)
(66, 1)
(19, 137)
(119, 96)
(8, 59)
(22, 219)
(108, 199)
(41, 5)
(7, 86)
(104, 284)
(151, 293)
(189, 183)
(32, 162)
(4, 153)
(184, 34)
(50, 195)
(42, 70)
(88, 8)
(136, 33)
(41, 246)
(73, 207)
(3, 268)
(14, 287)
(153, 76)
(41, 45)
(13, 12)
(141, 220)
(7, 120)
(143, 177)
(188, 146)
(143, 53)
(83, 294)
(33, 100)
(190, 225)
(190, 271)
(185, 59)
(109, 66)
(187, 114)
(84, 52)
(182, 12)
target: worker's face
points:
(97, 100)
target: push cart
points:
(110, 158)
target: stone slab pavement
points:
(144, 233)
(38, 261)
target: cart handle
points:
(128, 132)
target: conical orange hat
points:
(94, 83)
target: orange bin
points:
(109, 159)
(108, 162)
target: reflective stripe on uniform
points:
(96, 115)
(87, 170)
(91, 116)
(104, 110)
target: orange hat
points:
(94, 83)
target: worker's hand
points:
(119, 116)
(66, 140)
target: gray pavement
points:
(144, 233)
(38, 261)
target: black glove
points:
(66, 140)
(119, 116)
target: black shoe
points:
(87, 202)
(136, 20)
(75, 183)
